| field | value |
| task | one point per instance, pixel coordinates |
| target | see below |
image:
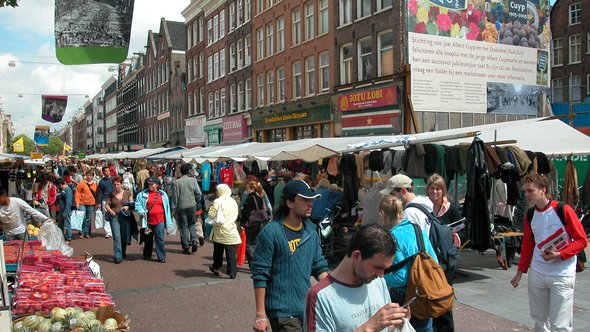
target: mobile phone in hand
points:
(407, 304)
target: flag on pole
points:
(19, 145)
(67, 148)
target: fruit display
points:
(32, 230)
(74, 319)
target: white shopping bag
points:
(98, 219)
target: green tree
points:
(55, 146)
(11, 3)
(29, 144)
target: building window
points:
(215, 66)
(232, 98)
(222, 101)
(209, 69)
(215, 28)
(248, 94)
(557, 90)
(324, 20)
(195, 67)
(260, 6)
(345, 12)
(296, 18)
(241, 97)
(260, 89)
(310, 76)
(363, 8)
(232, 16)
(201, 64)
(210, 111)
(575, 54)
(385, 44)
(575, 16)
(588, 84)
(280, 34)
(209, 32)
(240, 53)
(222, 62)
(222, 24)
(195, 36)
(248, 10)
(201, 27)
(382, 4)
(324, 72)
(575, 88)
(364, 59)
(346, 64)
(297, 80)
(270, 39)
(260, 41)
(557, 52)
(240, 10)
(309, 21)
(189, 37)
(281, 84)
(190, 71)
(232, 57)
(248, 50)
(270, 83)
(217, 108)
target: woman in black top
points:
(253, 202)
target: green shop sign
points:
(214, 133)
(319, 113)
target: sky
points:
(28, 36)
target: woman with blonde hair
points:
(392, 211)
(253, 216)
(225, 236)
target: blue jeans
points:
(67, 226)
(14, 237)
(421, 325)
(117, 240)
(186, 219)
(157, 231)
(88, 212)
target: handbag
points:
(77, 219)
(219, 218)
(257, 216)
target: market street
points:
(182, 295)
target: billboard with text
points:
(479, 56)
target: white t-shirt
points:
(418, 217)
(12, 217)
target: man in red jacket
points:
(552, 274)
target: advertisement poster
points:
(41, 135)
(479, 56)
(92, 31)
(53, 108)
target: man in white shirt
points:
(402, 187)
(12, 216)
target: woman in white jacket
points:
(225, 236)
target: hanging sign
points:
(41, 135)
(53, 108)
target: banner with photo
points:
(479, 56)
(53, 108)
(92, 31)
(41, 135)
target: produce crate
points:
(11, 267)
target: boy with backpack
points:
(549, 246)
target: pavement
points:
(182, 295)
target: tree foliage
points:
(55, 146)
(29, 144)
(11, 3)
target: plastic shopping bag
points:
(242, 248)
(98, 219)
(171, 226)
(52, 238)
(77, 219)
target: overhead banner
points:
(53, 108)
(92, 31)
(368, 99)
(41, 135)
(479, 56)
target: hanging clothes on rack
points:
(414, 162)
(585, 194)
(206, 176)
(371, 204)
(350, 181)
(476, 199)
(570, 194)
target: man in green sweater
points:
(287, 253)
(187, 195)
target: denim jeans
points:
(67, 226)
(117, 238)
(251, 235)
(14, 237)
(87, 224)
(421, 325)
(186, 219)
(157, 231)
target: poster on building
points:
(53, 108)
(479, 56)
(41, 135)
(193, 130)
(92, 31)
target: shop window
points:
(302, 132)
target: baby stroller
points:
(326, 233)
